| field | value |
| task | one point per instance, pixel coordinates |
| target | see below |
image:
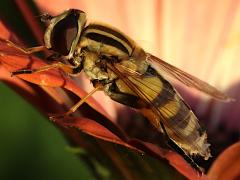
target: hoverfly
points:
(115, 64)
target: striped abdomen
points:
(181, 124)
(159, 102)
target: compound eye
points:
(64, 32)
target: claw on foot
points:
(57, 116)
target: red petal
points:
(95, 129)
(31, 20)
(227, 165)
(174, 159)
(5, 34)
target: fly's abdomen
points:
(183, 126)
(166, 105)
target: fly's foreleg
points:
(26, 50)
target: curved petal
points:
(226, 166)
(97, 130)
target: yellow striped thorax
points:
(105, 40)
(109, 41)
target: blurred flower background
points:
(200, 37)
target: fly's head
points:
(64, 32)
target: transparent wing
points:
(187, 78)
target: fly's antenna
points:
(45, 17)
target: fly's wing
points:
(189, 138)
(187, 79)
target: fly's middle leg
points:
(69, 69)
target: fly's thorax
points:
(102, 48)
(76, 59)
(135, 65)
(90, 68)
(107, 40)
(110, 42)
(139, 53)
(95, 67)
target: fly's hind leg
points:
(77, 105)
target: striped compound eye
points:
(64, 31)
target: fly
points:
(116, 64)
